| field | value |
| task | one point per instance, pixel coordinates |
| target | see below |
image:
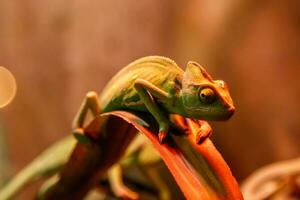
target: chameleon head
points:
(203, 97)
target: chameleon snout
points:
(231, 110)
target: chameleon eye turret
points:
(207, 95)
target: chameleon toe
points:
(161, 136)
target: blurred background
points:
(59, 50)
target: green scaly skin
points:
(181, 89)
(157, 85)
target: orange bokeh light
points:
(8, 87)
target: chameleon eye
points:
(207, 95)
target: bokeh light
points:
(8, 87)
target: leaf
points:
(207, 179)
(190, 182)
(46, 164)
(217, 164)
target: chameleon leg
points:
(115, 178)
(91, 101)
(146, 92)
(203, 132)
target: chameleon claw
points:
(161, 136)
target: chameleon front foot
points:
(201, 137)
(204, 132)
(161, 136)
(163, 131)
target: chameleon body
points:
(120, 92)
(155, 85)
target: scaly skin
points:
(165, 74)
(120, 93)
(158, 86)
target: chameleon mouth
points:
(212, 114)
(231, 110)
(198, 109)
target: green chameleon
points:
(153, 84)
(157, 85)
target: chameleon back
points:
(120, 93)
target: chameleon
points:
(157, 86)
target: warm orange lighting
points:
(8, 87)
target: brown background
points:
(59, 50)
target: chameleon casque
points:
(155, 85)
